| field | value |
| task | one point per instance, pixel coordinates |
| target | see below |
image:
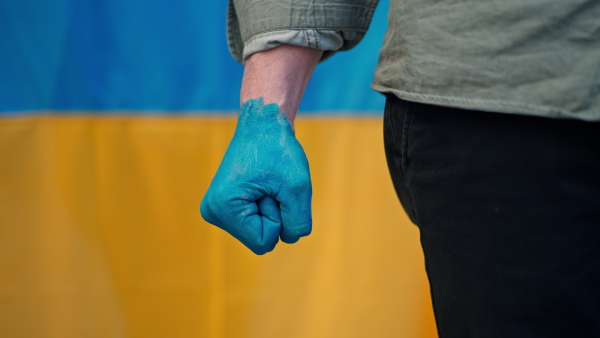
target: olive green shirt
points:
(533, 57)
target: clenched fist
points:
(262, 190)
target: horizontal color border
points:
(201, 113)
(151, 55)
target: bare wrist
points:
(280, 76)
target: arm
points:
(262, 192)
(280, 76)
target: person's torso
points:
(538, 57)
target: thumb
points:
(259, 231)
(271, 221)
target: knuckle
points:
(300, 185)
(261, 245)
(304, 232)
(261, 249)
(206, 209)
(298, 232)
(290, 240)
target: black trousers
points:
(509, 212)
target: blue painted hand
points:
(261, 191)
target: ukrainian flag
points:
(114, 115)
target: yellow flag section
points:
(101, 236)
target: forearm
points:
(262, 192)
(280, 76)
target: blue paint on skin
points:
(261, 191)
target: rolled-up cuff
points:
(310, 22)
(326, 40)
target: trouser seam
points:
(405, 133)
(391, 111)
(405, 137)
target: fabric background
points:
(114, 116)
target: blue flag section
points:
(151, 56)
